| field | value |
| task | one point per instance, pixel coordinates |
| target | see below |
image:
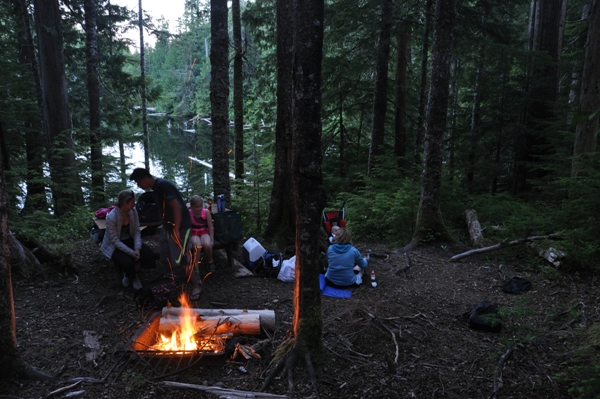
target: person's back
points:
(165, 192)
(342, 258)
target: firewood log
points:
(267, 316)
(246, 324)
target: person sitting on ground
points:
(122, 241)
(345, 263)
(176, 223)
(334, 230)
(202, 234)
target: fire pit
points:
(180, 338)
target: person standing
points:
(122, 241)
(176, 224)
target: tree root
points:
(287, 363)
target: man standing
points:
(176, 225)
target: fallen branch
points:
(406, 266)
(230, 393)
(503, 244)
(63, 389)
(498, 378)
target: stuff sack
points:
(228, 226)
(147, 208)
(268, 265)
(102, 212)
(516, 285)
(484, 316)
(158, 294)
(287, 274)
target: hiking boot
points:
(137, 284)
(125, 282)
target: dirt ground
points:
(406, 338)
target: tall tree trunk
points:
(238, 92)
(430, 222)
(306, 166)
(403, 44)
(10, 361)
(476, 113)
(281, 221)
(98, 197)
(219, 97)
(143, 89)
(455, 72)
(35, 148)
(544, 38)
(381, 84)
(423, 83)
(66, 187)
(586, 135)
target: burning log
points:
(267, 317)
(243, 324)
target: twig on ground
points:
(63, 389)
(224, 392)
(498, 378)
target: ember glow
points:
(184, 337)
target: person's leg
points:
(208, 254)
(148, 257)
(125, 262)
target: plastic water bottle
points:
(373, 279)
(221, 203)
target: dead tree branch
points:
(504, 244)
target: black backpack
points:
(148, 209)
(268, 265)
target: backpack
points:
(148, 209)
(516, 285)
(158, 294)
(484, 316)
(268, 265)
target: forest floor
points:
(406, 338)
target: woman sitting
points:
(123, 240)
(202, 233)
(345, 263)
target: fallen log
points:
(247, 324)
(475, 230)
(503, 244)
(267, 316)
(224, 392)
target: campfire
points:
(181, 334)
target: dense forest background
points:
(518, 145)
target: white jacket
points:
(111, 241)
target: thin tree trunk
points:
(423, 84)
(281, 221)
(238, 92)
(586, 136)
(403, 44)
(93, 81)
(10, 361)
(219, 97)
(143, 88)
(476, 114)
(66, 188)
(35, 148)
(381, 83)
(430, 222)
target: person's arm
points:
(136, 232)
(360, 260)
(209, 226)
(174, 204)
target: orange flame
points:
(185, 337)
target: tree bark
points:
(219, 97)
(34, 136)
(143, 88)
(430, 223)
(10, 361)
(586, 136)
(403, 58)
(307, 176)
(66, 188)
(238, 92)
(98, 197)
(381, 84)
(281, 224)
(423, 84)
